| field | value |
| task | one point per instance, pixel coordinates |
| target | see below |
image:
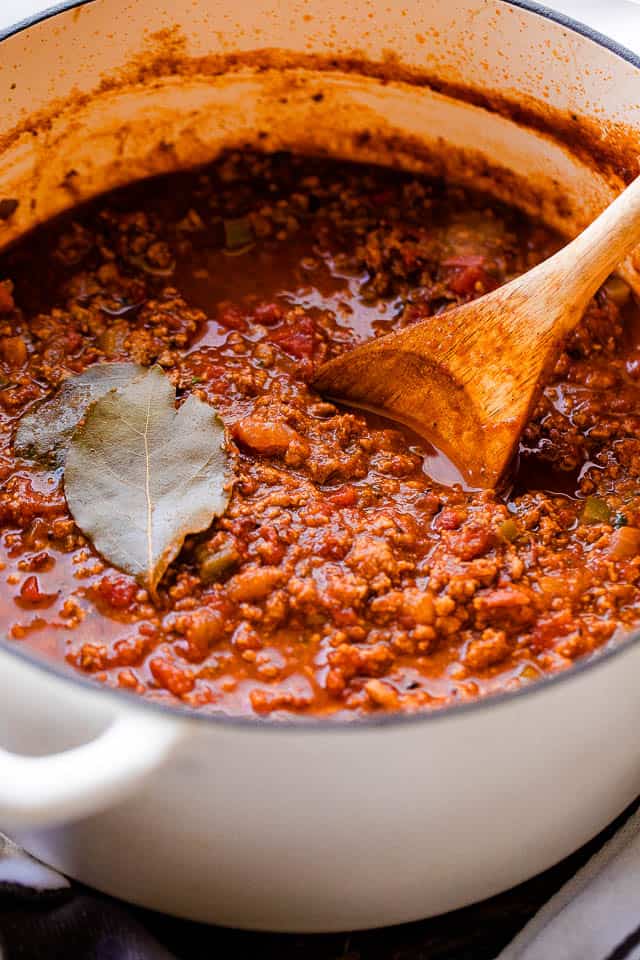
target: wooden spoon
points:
(468, 379)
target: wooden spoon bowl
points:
(468, 379)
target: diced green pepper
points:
(620, 520)
(214, 564)
(596, 510)
(238, 233)
(509, 530)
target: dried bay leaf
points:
(44, 433)
(141, 475)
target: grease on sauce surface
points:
(350, 573)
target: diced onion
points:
(624, 543)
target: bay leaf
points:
(140, 474)
(44, 433)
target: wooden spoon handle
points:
(585, 263)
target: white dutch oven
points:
(315, 826)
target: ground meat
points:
(342, 579)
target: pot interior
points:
(487, 94)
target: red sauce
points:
(351, 572)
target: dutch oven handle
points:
(77, 782)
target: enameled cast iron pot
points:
(313, 826)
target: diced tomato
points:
(268, 314)
(210, 375)
(472, 541)
(119, 592)
(549, 629)
(231, 317)
(448, 519)
(467, 281)
(467, 272)
(297, 341)
(31, 593)
(345, 496)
